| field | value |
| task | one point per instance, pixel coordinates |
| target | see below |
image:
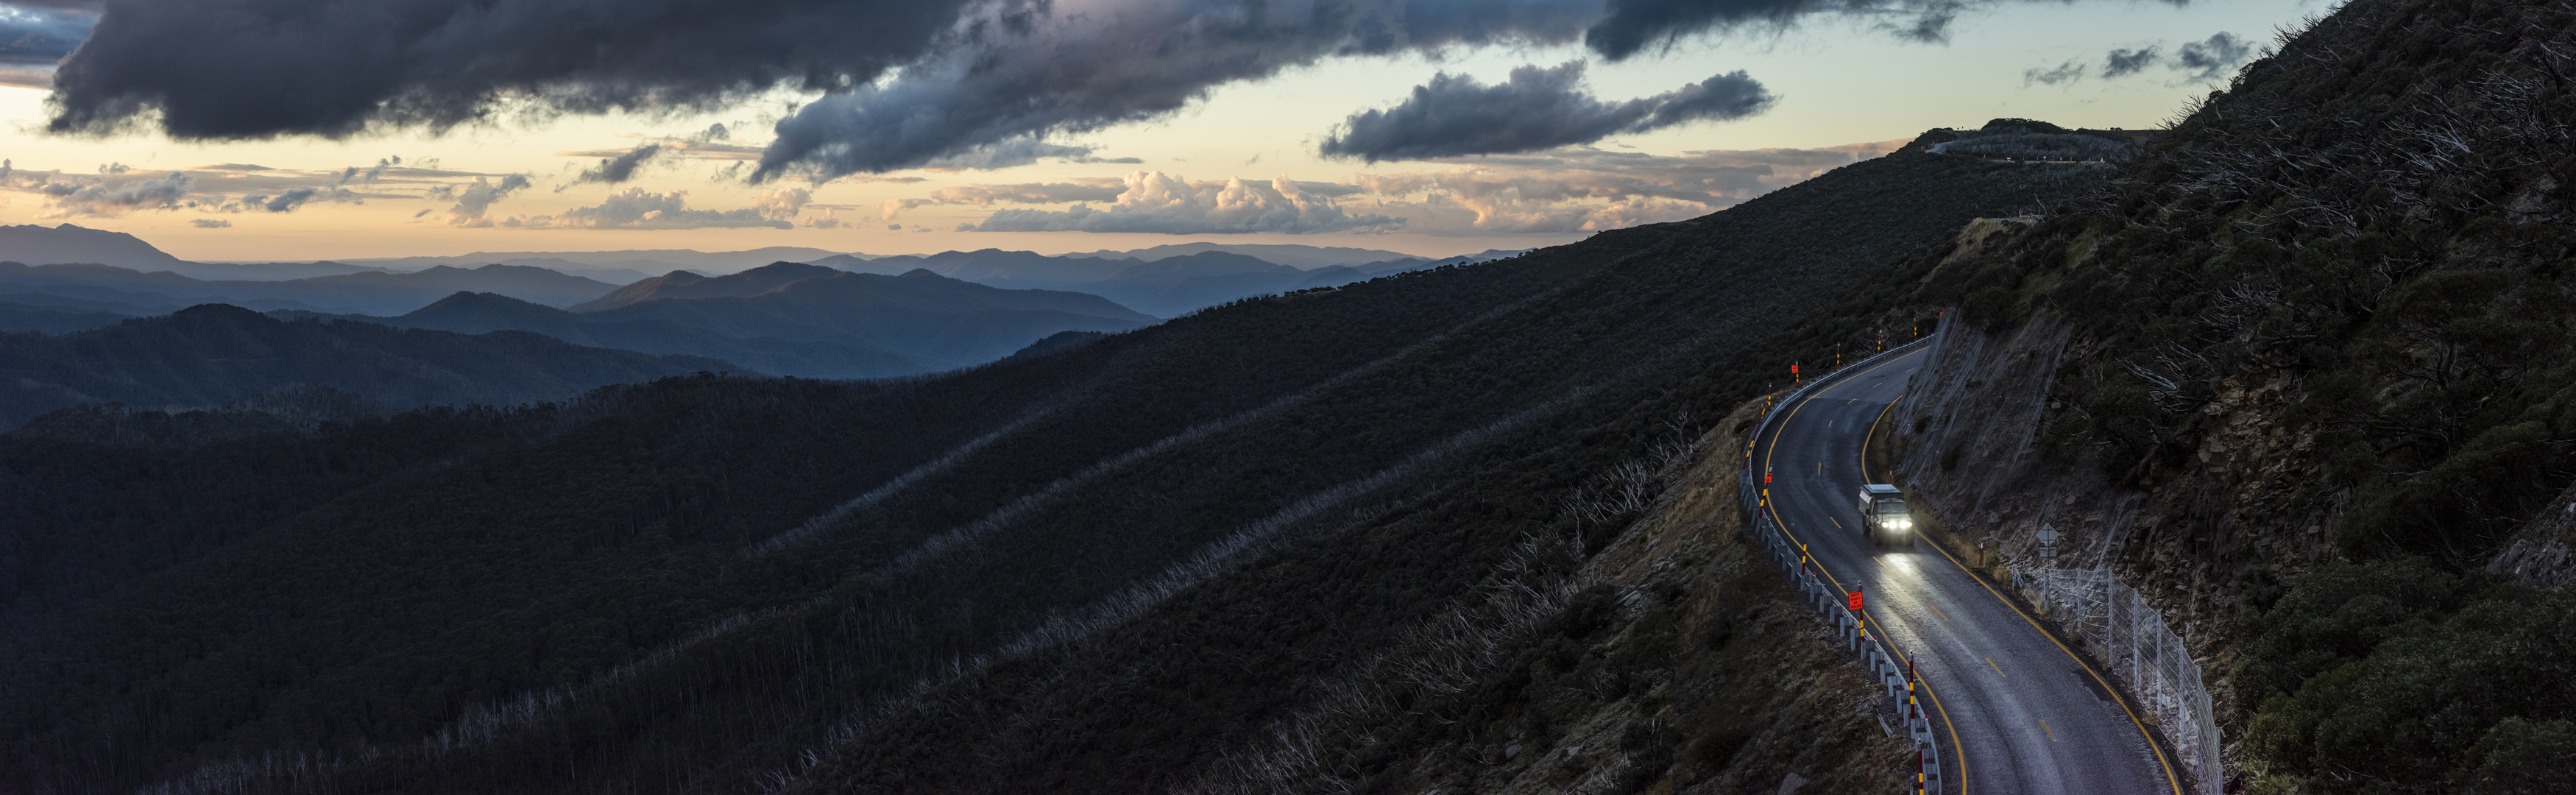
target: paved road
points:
(2027, 716)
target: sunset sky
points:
(311, 129)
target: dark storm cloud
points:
(1725, 97)
(255, 68)
(298, 197)
(1633, 25)
(2067, 72)
(1628, 27)
(88, 8)
(621, 168)
(2206, 61)
(1076, 73)
(1141, 59)
(284, 202)
(2123, 63)
(33, 35)
(1537, 109)
(909, 83)
(2213, 59)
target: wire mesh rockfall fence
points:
(2135, 647)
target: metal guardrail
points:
(1894, 672)
(2159, 670)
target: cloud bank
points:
(1582, 190)
(116, 189)
(1153, 201)
(910, 83)
(473, 201)
(1536, 109)
(637, 208)
(1555, 192)
(114, 198)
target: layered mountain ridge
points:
(215, 354)
(1146, 562)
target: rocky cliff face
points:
(2540, 554)
(2299, 374)
(1979, 449)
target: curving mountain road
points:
(2026, 715)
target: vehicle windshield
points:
(1891, 507)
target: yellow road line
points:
(1774, 510)
(2171, 779)
(1990, 663)
(2052, 733)
(1936, 610)
(1837, 522)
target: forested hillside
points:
(2299, 372)
(1161, 560)
(215, 354)
(479, 313)
(369, 292)
(919, 314)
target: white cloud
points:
(1553, 192)
(113, 197)
(473, 201)
(637, 208)
(782, 204)
(1162, 203)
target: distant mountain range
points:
(71, 297)
(215, 354)
(616, 267)
(821, 315)
(478, 313)
(1178, 284)
(370, 293)
(54, 319)
(680, 257)
(69, 243)
(918, 313)
(1294, 256)
(786, 318)
(1169, 282)
(781, 319)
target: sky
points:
(342, 129)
